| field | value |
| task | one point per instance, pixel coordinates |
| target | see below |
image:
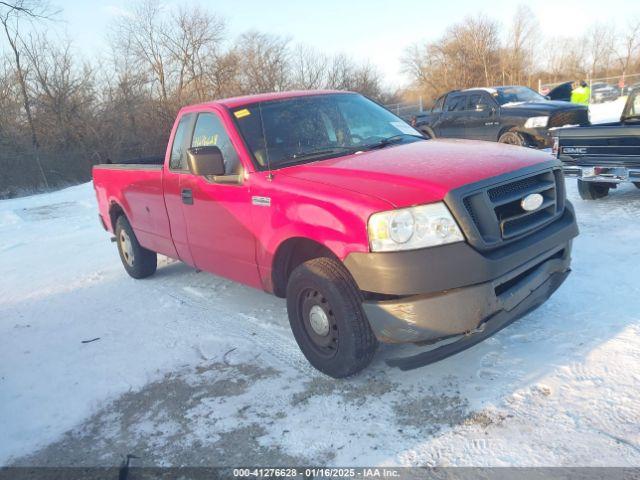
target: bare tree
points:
(12, 16)
(223, 74)
(467, 55)
(630, 45)
(9, 99)
(62, 91)
(308, 68)
(566, 59)
(140, 36)
(265, 61)
(518, 57)
(600, 41)
(193, 40)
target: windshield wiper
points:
(301, 156)
(389, 141)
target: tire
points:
(427, 132)
(327, 320)
(592, 190)
(514, 138)
(637, 184)
(137, 260)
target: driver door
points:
(217, 211)
(481, 119)
(451, 123)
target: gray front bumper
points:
(610, 174)
(430, 317)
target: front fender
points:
(334, 218)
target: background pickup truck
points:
(514, 115)
(602, 156)
(371, 232)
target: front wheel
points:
(137, 260)
(427, 132)
(327, 320)
(592, 190)
(514, 138)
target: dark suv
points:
(515, 115)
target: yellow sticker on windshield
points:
(242, 113)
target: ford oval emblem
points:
(532, 202)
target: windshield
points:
(506, 95)
(303, 129)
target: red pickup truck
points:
(372, 232)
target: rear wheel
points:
(327, 320)
(137, 260)
(592, 190)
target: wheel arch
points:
(291, 253)
(508, 128)
(115, 211)
(529, 139)
(428, 130)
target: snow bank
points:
(607, 112)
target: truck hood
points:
(542, 108)
(418, 172)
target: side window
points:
(178, 159)
(456, 104)
(210, 131)
(478, 102)
(438, 105)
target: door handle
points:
(187, 196)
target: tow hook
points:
(479, 329)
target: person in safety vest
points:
(581, 94)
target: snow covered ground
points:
(186, 368)
(607, 111)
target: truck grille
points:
(496, 213)
(569, 117)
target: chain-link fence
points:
(603, 89)
(406, 110)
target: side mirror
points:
(205, 160)
(485, 110)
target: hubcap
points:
(319, 321)
(511, 139)
(320, 325)
(126, 247)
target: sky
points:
(374, 30)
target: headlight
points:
(412, 228)
(556, 146)
(535, 122)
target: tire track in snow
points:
(246, 326)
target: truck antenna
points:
(266, 147)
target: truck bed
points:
(138, 188)
(149, 160)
